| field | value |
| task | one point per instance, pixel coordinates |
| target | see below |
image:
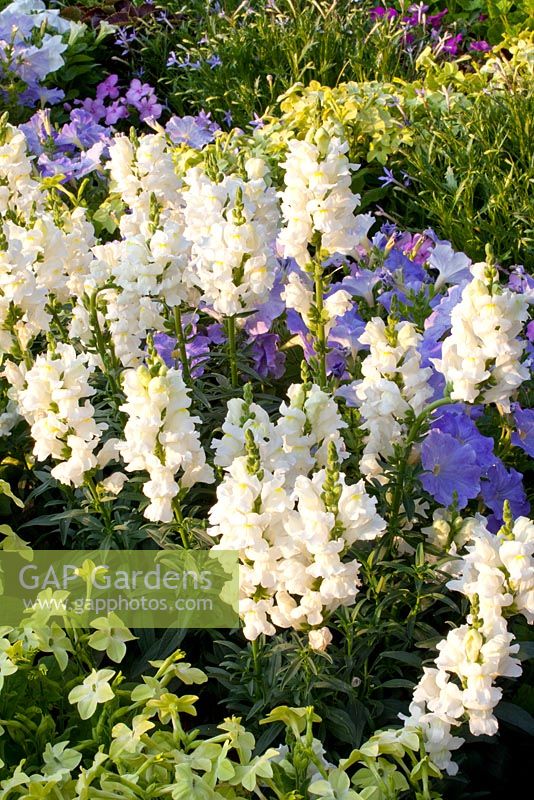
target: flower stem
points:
(410, 439)
(320, 332)
(232, 355)
(179, 332)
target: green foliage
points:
(472, 172)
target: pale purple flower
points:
(268, 361)
(214, 61)
(524, 435)
(500, 484)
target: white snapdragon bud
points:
(319, 639)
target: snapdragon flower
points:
(393, 383)
(292, 545)
(232, 228)
(317, 199)
(497, 576)
(481, 358)
(54, 401)
(160, 437)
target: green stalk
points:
(232, 354)
(320, 332)
(410, 439)
(179, 331)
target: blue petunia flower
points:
(450, 469)
(524, 437)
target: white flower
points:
(481, 357)
(452, 267)
(160, 438)
(95, 689)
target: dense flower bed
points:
(234, 338)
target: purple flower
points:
(214, 61)
(34, 94)
(39, 133)
(388, 178)
(187, 63)
(124, 39)
(521, 282)
(82, 131)
(257, 122)
(268, 360)
(261, 320)
(417, 15)
(524, 437)
(379, 12)
(116, 111)
(227, 118)
(456, 423)
(530, 331)
(143, 98)
(450, 469)
(72, 167)
(480, 46)
(165, 346)
(434, 20)
(361, 283)
(501, 484)
(193, 131)
(108, 88)
(451, 43)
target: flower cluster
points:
(32, 41)
(497, 576)
(482, 356)
(52, 397)
(317, 202)
(160, 437)
(393, 384)
(292, 531)
(232, 227)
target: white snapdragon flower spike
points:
(393, 383)
(292, 446)
(292, 544)
(481, 358)
(160, 438)
(317, 199)
(232, 227)
(497, 576)
(53, 400)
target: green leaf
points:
(5, 489)
(516, 716)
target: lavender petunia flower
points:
(193, 131)
(456, 423)
(450, 469)
(165, 346)
(524, 436)
(501, 484)
(268, 360)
